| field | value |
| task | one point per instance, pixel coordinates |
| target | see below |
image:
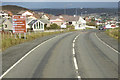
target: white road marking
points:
(79, 77)
(73, 51)
(73, 45)
(74, 59)
(106, 44)
(73, 41)
(75, 63)
(24, 57)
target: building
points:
(46, 22)
(70, 20)
(3, 14)
(80, 24)
(56, 20)
(36, 25)
(6, 24)
(25, 13)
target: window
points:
(39, 25)
(34, 26)
(5, 25)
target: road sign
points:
(19, 24)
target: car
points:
(101, 28)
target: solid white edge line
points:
(106, 44)
(24, 57)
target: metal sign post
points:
(24, 35)
(19, 35)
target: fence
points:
(8, 38)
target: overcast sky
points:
(59, 0)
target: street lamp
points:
(81, 11)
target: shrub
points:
(91, 24)
(53, 26)
(70, 26)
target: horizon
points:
(62, 5)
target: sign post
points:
(19, 24)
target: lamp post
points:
(81, 11)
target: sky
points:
(38, 5)
(60, 0)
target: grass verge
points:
(113, 33)
(11, 41)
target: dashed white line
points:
(106, 44)
(73, 41)
(79, 77)
(73, 51)
(75, 60)
(73, 45)
(75, 63)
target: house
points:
(36, 25)
(3, 14)
(80, 24)
(45, 16)
(25, 13)
(70, 20)
(56, 20)
(6, 24)
(46, 22)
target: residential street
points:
(54, 58)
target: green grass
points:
(11, 41)
(113, 33)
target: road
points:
(54, 58)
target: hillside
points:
(72, 11)
(13, 8)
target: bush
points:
(91, 24)
(70, 26)
(53, 26)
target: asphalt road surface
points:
(55, 58)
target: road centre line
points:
(74, 59)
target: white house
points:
(80, 24)
(36, 25)
(25, 13)
(3, 14)
(45, 16)
(6, 24)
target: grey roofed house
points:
(28, 20)
(53, 17)
(32, 22)
(2, 20)
(45, 21)
(21, 12)
(6, 24)
(68, 18)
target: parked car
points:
(101, 28)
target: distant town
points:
(40, 21)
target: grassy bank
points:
(113, 33)
(11, 41)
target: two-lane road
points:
(54, 59)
